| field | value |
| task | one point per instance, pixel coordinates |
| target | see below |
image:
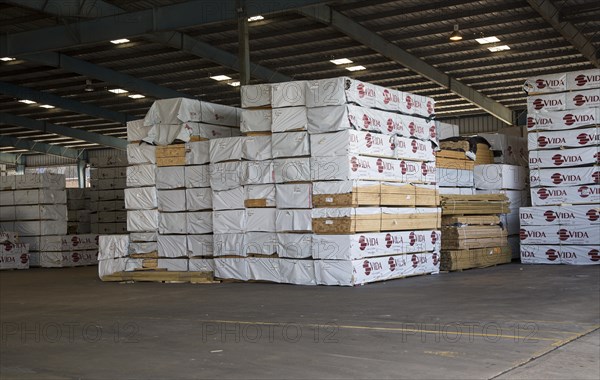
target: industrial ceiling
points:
(64, 58)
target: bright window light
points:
(118, 91)
(26, 101)
(255, 18)
(48, 106)
(220, 77)
(340, 61)
(120, 41)
(494, 49)
(7, 59)
(487, 40)
(137, 96)
(356, 68)
(234, 84)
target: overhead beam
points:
(551, 14)
(37, 125)
(40, 147)
(63, 103)
(351, 28)
(68, 9)
(131, 24)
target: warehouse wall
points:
(469, 125)
(41, 160)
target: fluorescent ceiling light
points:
(494, 49)
(220, 77)
(120, 41)
(26, 101)
(48, 106)
(137, 96)
(7, 59)
(487, 40)
(256, 18)
(356, 68)
(118, 91)
(234, 84)
(340, 61)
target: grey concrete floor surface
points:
(508, 322)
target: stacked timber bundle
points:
(13, 253)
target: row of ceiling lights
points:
(457, 36)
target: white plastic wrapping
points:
(579, 99)
(583, 79)
(563, 120)
(255, 120)
(257, 172)
(352, 167)
(455, 178)
(567, 139)
(14, 260)
(111, 266)
(173, 265)
(338, 91)
(576, 235)
(61, 242)
(114, 158)
(198, 199)
(36, 228)
(165, 134)
(219, 114)
(197, 176)
(142, 220)
(229, 244)
(294, 245)
(297, 272)
(293, 220)
(141, 175)
(264, 269)
(292, 169)
(294, 195)
(170, 177)
(289, 119)
(199, 222)
(201, 265)
(142, 247)
(136, 130)
(172, 223)
(232, 268)
(63, 259)
(256, 95)
(197, 153)
(211, 131)
(546, 83)
(33, 181)
(352, 142)
(172, 246)
(256, 148)
(199, 245)
(517, 198)
(229, 221)
(226, 175)
(8, 237)
(34, 212)
(288, 94)
(508, 149)
(228, 199)
(564, 158)
(546, 102)
(141, 154)
(143, 236)
(33, 197)
(564, 177)
(446, 130)
(561, 254)
(260, 243)
(560, 215)
(290, 144)
(262, 192)
(113, 246)
(226, 149)
(499, 176)
(171, 200)
(260, 219)
(413, 149)
(173, 111)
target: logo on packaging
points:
(392, 264)
(388, 240)
(424, 169)
(367, 267)
(551, 254)
(369, 140)
(75, 257)
(435, 258)
(379, 165)
(354, 163)
(430, 111)
(580, 99)
(24, 258)
(593, 215)
(550, 216)
(403, 167)
(409, 102)
(594, 255)
(434, 237)
(415, 261)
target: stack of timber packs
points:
(13, 254)
(107, 191)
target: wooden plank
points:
(258, 133)
(454, 164)
(149, 255)
(472, 232)
(170, 161)
(455, 145)
(448, 244)
(451, 154)
(175, 150)
(256, 203)
(427, 197)
(360, 196)
(406, 222)
(198, 138)
(470, 219)
(347, 225)
(162, 276)
(474, 258)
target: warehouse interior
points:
(78, 77)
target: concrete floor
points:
(512, 321)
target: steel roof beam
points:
(356, 31)
(63, 103)
(42, 147)
(551, 14)
(38, 125)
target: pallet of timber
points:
(346, 194)
(449, 244)
(472, 232)
(398, 195)
(391, 221)
(474, 258)
(470, 220)
(449, 163)
(485, 155)
(162, 276)
(478, 204)
(427, 197)
(451, 154)
(346, 220)
(170, 155)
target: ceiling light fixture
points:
(26, 101)
(220, 77)
(494, 49)
(118, 91)
(487, 40)
(255, 18)
(48, 106)
(356, 68)
(456, 36)
(7, 59)
(137, 96)
(88, 86)
(340, 61)
(120, 41)
(234, 84)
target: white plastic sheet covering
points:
(583, 79)
(200, 245)
(226, 175)
(61, 242)
(65, 259)
(293, 220)
(219, 114)
(14, 248)
(288, 94)
(577, 235)
(512, 149)
(172, 246)
(291, 144)
(546, 83)
(413, 149)
(338, 91)
(560, 215)
(142, 220)
(446, 130)
(257, 148)
(174, 265)
(142, 247)
(352, 167)
(143, 236)
(8, 236)
(14, 260)
(197, 176)
(563, 120)
(341, 212)
(499, 176)
(141, 175)
(264, 269)
(352, 142)
(579, 99)
(232, 268)
(564, 158)
(136, 130)
(111, 266)
(297, 272)
(229, 221)
(197, 153)
(36, 228)
(340, 187)
(510, 222)
(141, 154)
(198, 199)
(295, 246)
(211, 131)
(172, 223)
(112, 246)
(255, 120)
(114, 158)
(173, 111)
(260, 219)
(261, 243)
(292, 169)
(289, 119)
(455, 178)
(546, 102)
(560, 254)
(201, 265)
(34, 212)
(264, 192)
(256, 95)
(229, 244)
(141, 198)
(563, 177)
(171, 200)
(257, 172)
(226, 149)
(228, 199)
(33, 197)
(170, 177)
(32, 181)
(563, 139)
(165, 134)
(294, 195)
(199, 222)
